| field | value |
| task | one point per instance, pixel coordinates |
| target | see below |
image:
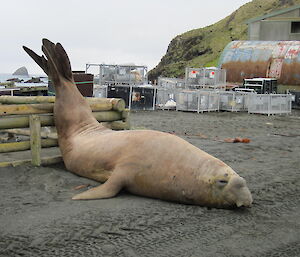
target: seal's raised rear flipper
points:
(58, 59)
(57, 65)
(71, 110)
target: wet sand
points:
(38, 217)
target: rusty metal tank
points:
(268, 59)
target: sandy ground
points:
(38, 217)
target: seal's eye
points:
(222, 182)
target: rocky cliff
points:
(203, 46)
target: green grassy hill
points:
(202, 47)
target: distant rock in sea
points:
(21, 72)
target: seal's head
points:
(230, 191)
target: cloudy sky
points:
(102, 31)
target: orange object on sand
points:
(237, 140)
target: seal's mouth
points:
(239, 192)
(247, 204)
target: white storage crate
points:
(166, 98)
(197, 100)
(234, 101)
(164, 82)
(211, 77)
(270, 103)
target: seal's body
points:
(144, 162)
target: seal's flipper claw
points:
(107, 190)
(40, 60)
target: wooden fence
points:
(18, 113)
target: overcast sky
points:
(102, 31)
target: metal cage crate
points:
(234, 101)
(166, 98)
(197, 101)
(164, 82)
(270, 103)
(109, 74)
(100, 91)
(205, 78)
(135, 97)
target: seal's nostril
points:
(238, 182)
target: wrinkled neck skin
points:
(73, 115)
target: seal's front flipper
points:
(107, 190)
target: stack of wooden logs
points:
(18, 113)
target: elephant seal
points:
(144, 162)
